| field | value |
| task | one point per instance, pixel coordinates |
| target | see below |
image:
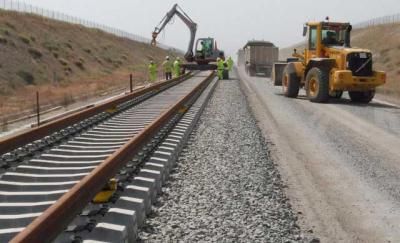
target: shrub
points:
(79, 64)
(108, 59)
(51, 46)
(26, 76)
(33, 39)
(35, 53)
(99, 60)
(10, 25)
(3, 40)
(63, 61)
(24, 39)
(69, 46)
(5, 32)
(87, 50)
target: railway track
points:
(43, 190)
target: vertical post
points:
(131, 82)
(37, 108)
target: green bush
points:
(3, 40)
(87, 50)
(79, 64)
(24, 39)
(10, 25)
(26, 76)
(5, 32)
(51, 46)
(35, 53)
(63, 61)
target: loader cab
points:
(323, 35)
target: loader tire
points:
(317, 85)
(290, 84)
(362, 97)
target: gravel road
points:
(340, 161)
(225, 188)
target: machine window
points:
(313, 38)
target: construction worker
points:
(330, 39)
(220, 68)
(152, 71)
(229, 62)
(203, 49)
(167, 66)
(177, 67)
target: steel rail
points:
(56, 218)
(10, 143)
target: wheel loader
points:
(329, 66)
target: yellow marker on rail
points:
(107, 192)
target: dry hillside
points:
(63, 61)
(384, 42)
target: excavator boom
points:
(176, 10)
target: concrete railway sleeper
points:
(43, 181)
(140, 181)
(10, 157)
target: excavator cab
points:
(206, 51)
(204, 47)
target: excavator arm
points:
(176, 10)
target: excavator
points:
(206, 52)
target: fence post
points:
(37, 108)
(131, 82)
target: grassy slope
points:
(63, 60)
(384, 42)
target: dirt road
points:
(341, 161)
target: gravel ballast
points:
(225, 187)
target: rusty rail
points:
(48, 225)
(21, 139)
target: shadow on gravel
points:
(300, 97)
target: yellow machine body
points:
(340, 78)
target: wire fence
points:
(389, 19)
(20, 6)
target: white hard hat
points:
(151, 61)
(218, 58)
(167, 57)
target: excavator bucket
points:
(153, 41)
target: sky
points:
(231, 22)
